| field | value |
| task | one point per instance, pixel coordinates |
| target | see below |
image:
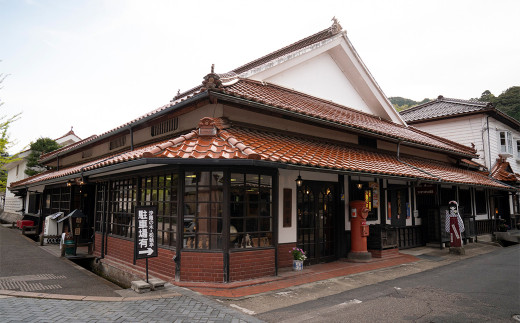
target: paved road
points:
(176, 309)
(26, 267)
(483, 288)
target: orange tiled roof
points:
(215, 140)
(301, 103)
(503, 172)
(296, 102)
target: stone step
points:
(156, 284)
(140, 286)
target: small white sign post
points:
(146, 233)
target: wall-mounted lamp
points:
(299, 180)
(360, 186)
(69, 183)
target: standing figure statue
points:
(454, 226)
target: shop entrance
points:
(315, 216)
(398, 202)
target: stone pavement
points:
(26, 267)
(287, 278)
(36, 286)
(183, 308)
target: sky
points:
(94, 65)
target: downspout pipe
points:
(414, 167)
(131, 138)
(102, 227)
(489, 145)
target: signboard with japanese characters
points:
(146, 232)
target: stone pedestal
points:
(457, 250)
(359, 256)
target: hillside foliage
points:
(508, 101)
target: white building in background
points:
(12, 204)
(495, 136)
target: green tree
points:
(5, 143)
(39, 147)
(509, 102)
(401, 103)
(487, 96)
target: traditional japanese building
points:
(494, 135)
(15, 206)
(221, 161)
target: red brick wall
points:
(202, 266)
(251, 264)
(284, 256)
(122, 251)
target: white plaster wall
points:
(463, 130)
(287, 180)
(496, 126)
(14, 203)
(67, 140)
(473, 129)
(320, 76)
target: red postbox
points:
(358, 231)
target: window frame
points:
(507, 137)
(480, 202)
(208, 201)
(517, 141)
(255, 208)
(265, 239)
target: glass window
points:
(464, 201)
(203, 199)
(368, 192)
(251, 222)
(447, 195)
(518, 149)
(506, 142)
(480, 202)
(161, 191)
(57, 200)
(121, 198)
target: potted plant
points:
(298, 258)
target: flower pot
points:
(297, 265)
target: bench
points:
(29, 230)
(51, 239)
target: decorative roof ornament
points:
(336, 27)
(212, 80)
(207, 127)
